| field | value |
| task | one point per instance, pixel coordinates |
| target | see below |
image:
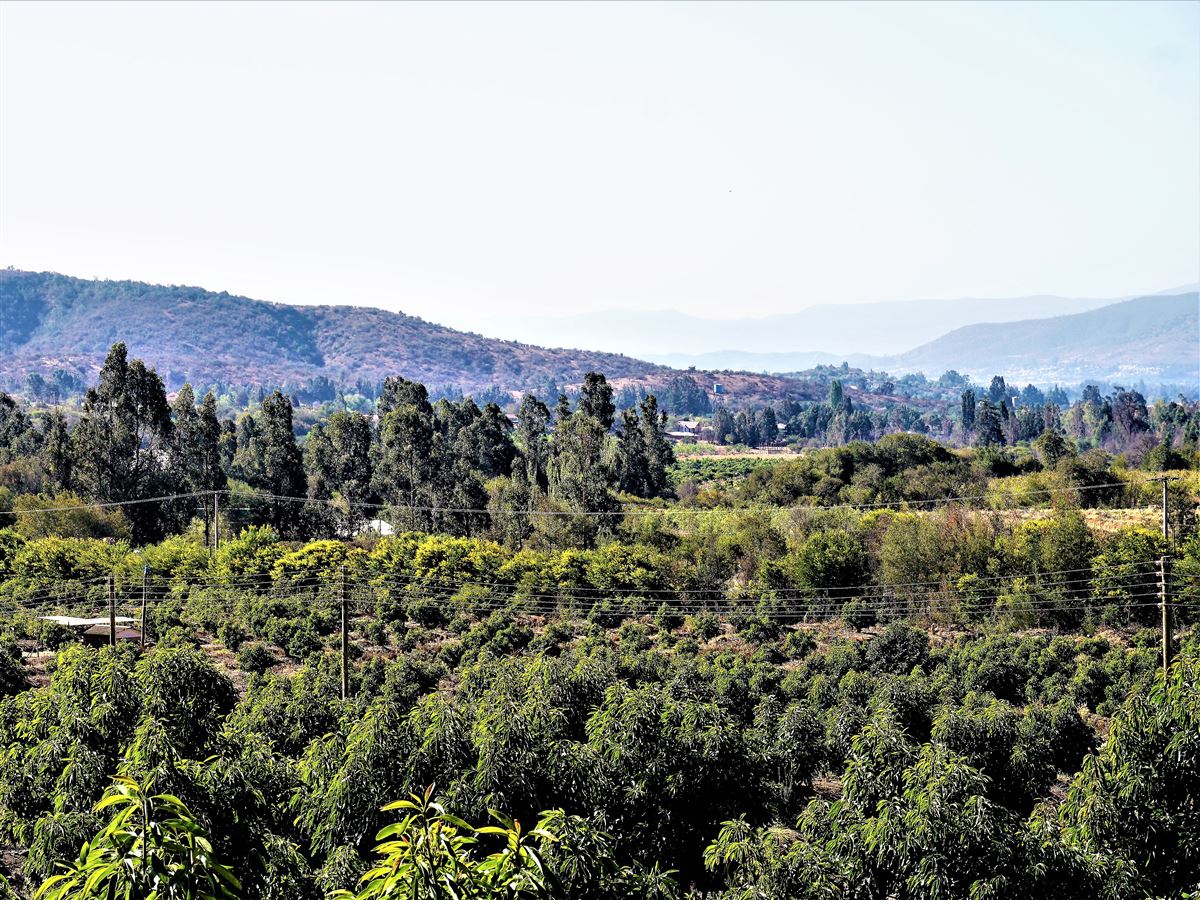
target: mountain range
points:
(1154, 339)
(50, 321)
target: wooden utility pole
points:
(1165, 524)
(1163, 600)
(345, 635)
(1165, 605)
(112, 613)
(145, 571)
(216, 521)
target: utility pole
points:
(1166, 612)
(1165, 526)
(1162, 584)
(345, 634)
(145, 571)
(112, 614)
(216, 521)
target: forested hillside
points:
(434, 655)
(60, 328)
(52, 321)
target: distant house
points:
(97, 635)
(81, 625)
(718, 388)
(689, 426)
(95, 631)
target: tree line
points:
(412, 457)
(1166, 433)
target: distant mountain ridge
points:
(1156, 337)
(1151, 338)
(880, 328)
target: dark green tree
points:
(533, 429)
(18, 437)
(724, 426)
(485, 442)
(596, 399)
(998, 390)
(410, 452)
(122, 438)
(56, 452)
(339, 461)
(580, 473)
(659, 454)
(632, 457)
(193, 452)
(270, 461)
(837, 396)
(968, 411)
(989, 425)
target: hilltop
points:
(190, 334)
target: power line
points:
(635, 511)
(1145, 585)
(640, 511)
(106, 504)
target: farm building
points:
(95, 631)
(97, 635)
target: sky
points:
(463, 161)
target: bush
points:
(255, 658)
(232, 635)
(667, 618)
(898, 650)
(858, 614)
(425, 612)
(760, 629)
(705, 625)
(799, 643)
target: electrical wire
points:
(636, 511)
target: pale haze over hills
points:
(748, 179)
(724, 160)
(820, 330)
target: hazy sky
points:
(451, 160)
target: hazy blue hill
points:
(810, 335)
(754, 362)
(1155, 337)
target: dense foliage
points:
(883, 669)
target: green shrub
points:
(859, 614)
(799, 643)
(704, 625)
(255, 658)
